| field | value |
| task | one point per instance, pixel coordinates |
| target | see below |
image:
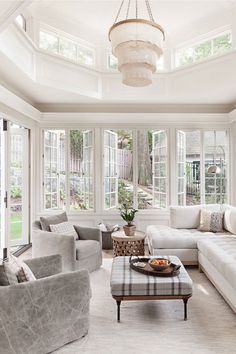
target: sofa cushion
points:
(169, 238)
(185, 217)
(230, 220)
(221, 253)
(86, 248)
(211, 220)
(52, 220)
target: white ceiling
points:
(91, 19)
(175, 16)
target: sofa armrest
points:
(46, 243)
(89, 233)
(42, 315)
(43, 267)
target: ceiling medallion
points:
(137, 44)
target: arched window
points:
(20, 20)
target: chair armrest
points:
(43, 267)
(46, 243)
(89, 233)
(44, 314)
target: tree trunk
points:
(144, 161)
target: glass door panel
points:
(19, 186)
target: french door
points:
(14, 188)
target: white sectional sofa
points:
(214, 252)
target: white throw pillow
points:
(230, 220)
(185, 217)
(64, 228)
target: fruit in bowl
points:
(159, 263)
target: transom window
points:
(21, 21)
(66, 47)
(217, 45)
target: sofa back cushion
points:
(230, 220)
(52, 220)
(185, 217)
(188, 217)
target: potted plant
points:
(128, 215)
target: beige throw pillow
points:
(211, 220)
(65, 228)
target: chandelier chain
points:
(136, 10)
(128, 7)
(149, 10)
(119, 11)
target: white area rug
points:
(157, 327)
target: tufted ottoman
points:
(127, 284)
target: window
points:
(188, 167)
(220, 44)
(66, 47)
(196, 185)
(54, 169)
(112, 62)
(20, 20)
(215, 153)
(79, 178)
(152, 169)
(81, 170)
(118, 168)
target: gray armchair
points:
(83, 253)
(42, 315)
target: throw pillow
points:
(52, 220)
(65, 228)
(15, 271)
(211, 220)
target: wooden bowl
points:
(159, 263)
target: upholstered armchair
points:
(86, 252)
(42, 315)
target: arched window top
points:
(21, 21)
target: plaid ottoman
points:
(127, 284)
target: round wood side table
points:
(128, 245)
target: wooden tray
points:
(171, 271)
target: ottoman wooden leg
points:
(185, 300)
(118, 310)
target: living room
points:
(118, 126)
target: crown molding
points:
(10, 102)
(135, 108)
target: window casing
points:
(217, 45)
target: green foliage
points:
(127, 214)
(15, 192)
(76, 142)
(124, 196)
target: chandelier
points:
(137, 44)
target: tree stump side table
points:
(128, 245)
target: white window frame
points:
(174, 196)
(79, 43)
(67, 168)
(200, 40)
